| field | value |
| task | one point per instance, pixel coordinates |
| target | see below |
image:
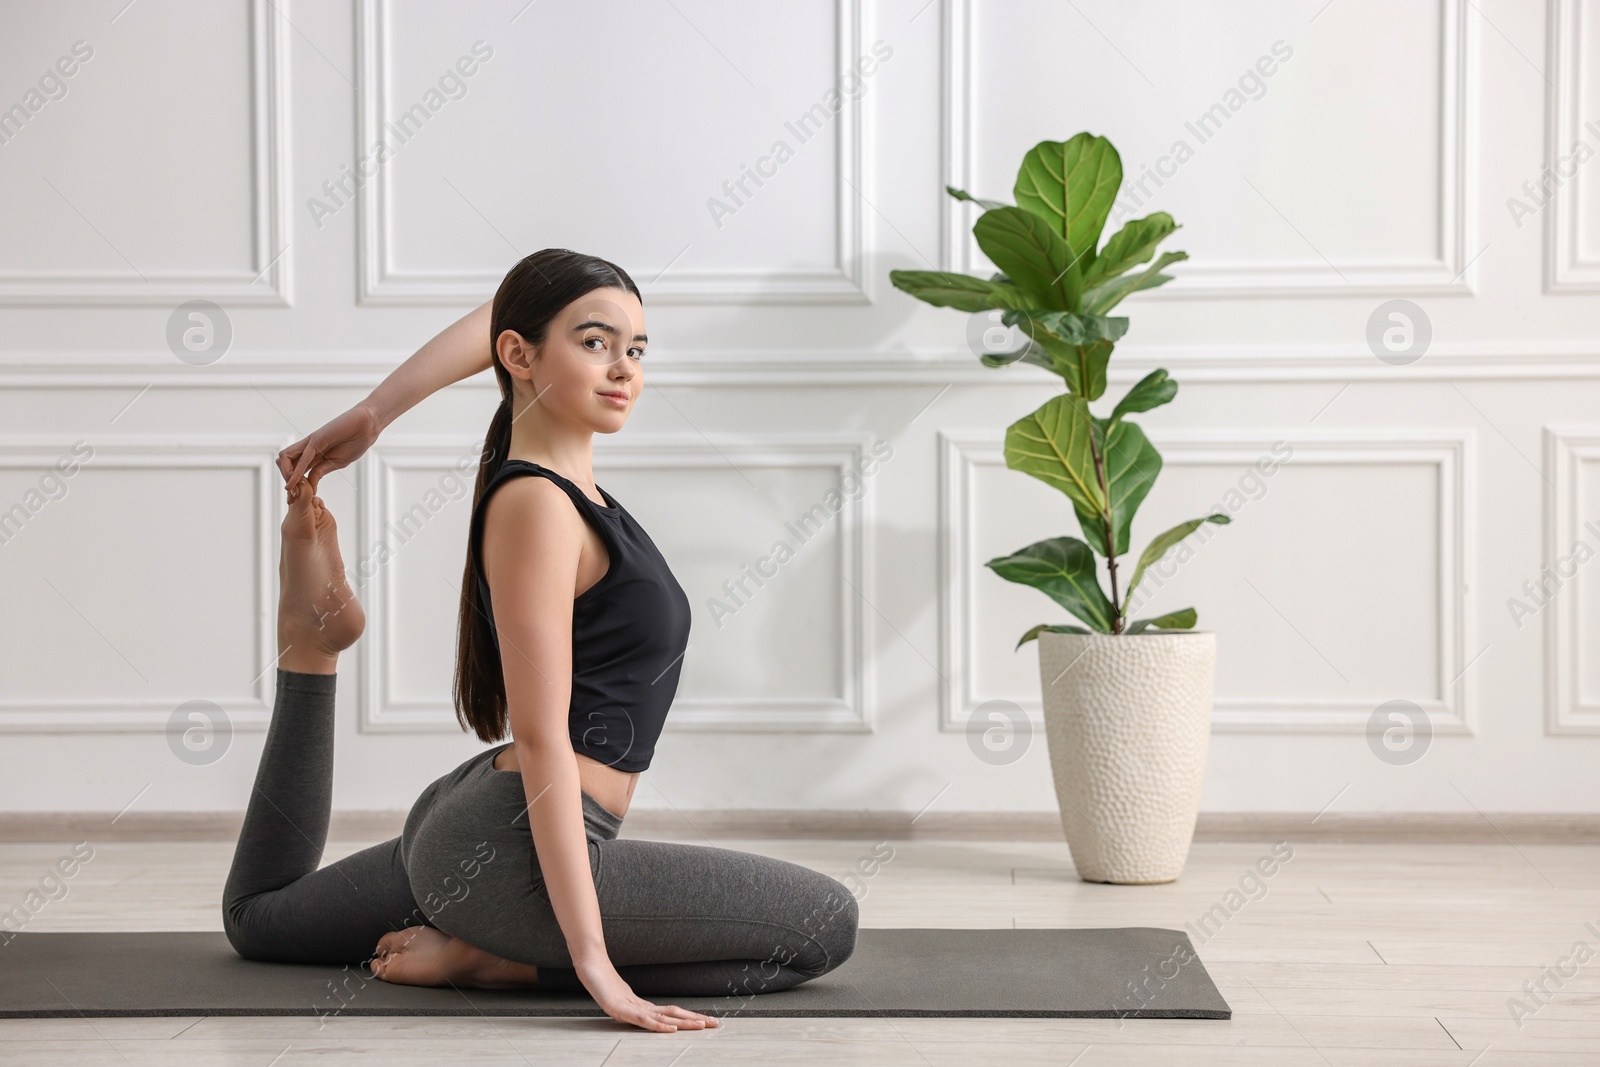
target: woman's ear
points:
(516, 354)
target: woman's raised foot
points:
(317, 610)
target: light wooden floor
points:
(1357, 954)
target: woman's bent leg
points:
(679, 919)
(276, 904)
(698, 920)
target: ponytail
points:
(480, 681)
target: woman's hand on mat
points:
(337, 444)
(618, 1000)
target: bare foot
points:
(422, 955)
(317, 610)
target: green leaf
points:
(1130, 246)
(960, 291)
(1132, 464)
(1047, 627)
(1079, 346)
(1083, 367)
(1072, 183)
(1030, 353)
(1032, 255)
(1172, 620)
(1008, 294)
(1158, 548)
(1069, 326)
(959, 194)
(1151, 391)
(1052, 444)
(1063, 569)
(1102, 298)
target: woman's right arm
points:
(459, 351)
(533, 596)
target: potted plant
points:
(1127, 704)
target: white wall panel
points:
(1284, 668)
(771, 562)
(1571, 188)
(156, 170)
(138, 574)
(1271, 151)
(604, 135)
(1565, 592)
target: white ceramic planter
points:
(1128, 723)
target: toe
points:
(391, 942)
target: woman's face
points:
(590, 362)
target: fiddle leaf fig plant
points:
(1055, 284)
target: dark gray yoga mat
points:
(1136, 972)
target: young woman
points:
(572, 630)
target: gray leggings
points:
(679, 919)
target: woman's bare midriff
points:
(611, 787)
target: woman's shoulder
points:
(532, 498)
(529, 511)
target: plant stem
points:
(1105, 521)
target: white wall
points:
(1376, 564)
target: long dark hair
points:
(531, 294)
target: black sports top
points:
(629, 630)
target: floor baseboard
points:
(1376, 827)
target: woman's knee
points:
(254, 934)
(243, 934)
(830, 924)
(841, 944)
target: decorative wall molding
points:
(1567, 449)
(138, 712)
(848, 283)
(1247, 364)
(1451, 709)
(1566, 270)
(849, 711)
(1450, 272)
(267, 281)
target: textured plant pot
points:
(1128, 722)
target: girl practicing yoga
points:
(509, 871)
